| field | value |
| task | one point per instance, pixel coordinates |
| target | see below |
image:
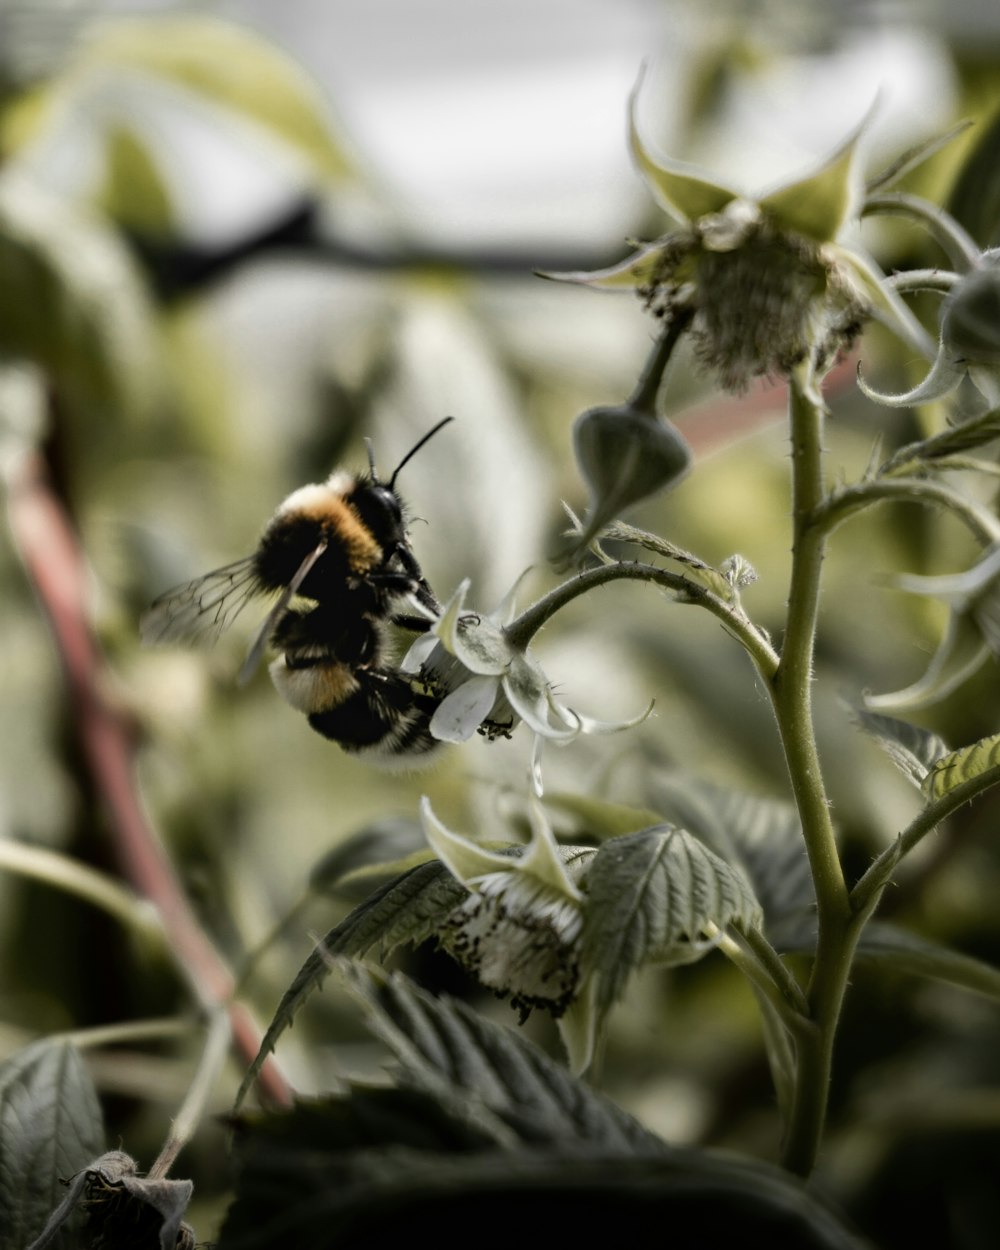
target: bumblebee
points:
(338, 557)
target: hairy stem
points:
(956, 242)
(521, 630)
(791, 695)
(648, 386)
(847, 502)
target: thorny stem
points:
(521, 630)
(867, 891)
(843, 504)
(791, 696)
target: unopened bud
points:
(970, 317)
(625, 455)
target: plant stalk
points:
(791, 695)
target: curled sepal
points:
(121, 1205)
(961, 653)
(882, 297)
(469, 862)
(944, 375)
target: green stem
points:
(778, 987)
(845, 503)
(958, 245)
(791, 695)
(867, 891)
(521, 630)
(648, 386)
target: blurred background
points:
(238, 239)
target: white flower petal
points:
(419, 653)
(462, 712)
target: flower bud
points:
(625, 454)
(970, 318)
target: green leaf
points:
(72, 301)
(761, 834)
(963, 765)
(975, 196)
(907, 952)
(969, 436)
(657, 896)
(912, 749)
(228, 65)
(407, 910)
(303, 1182)
(50, 1127)
(447, 1049)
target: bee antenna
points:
(371, 461)
(415, 448)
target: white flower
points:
(488, 683)
(520, 930)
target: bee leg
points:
(416, 624)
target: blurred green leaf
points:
(228, 65)
(975, 196)
(598, 818)
(50, 1127)
(72, 301)
(901, 951)
(913, 750)
(368, 1166)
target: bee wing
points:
(259, 644)
(199, 611)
